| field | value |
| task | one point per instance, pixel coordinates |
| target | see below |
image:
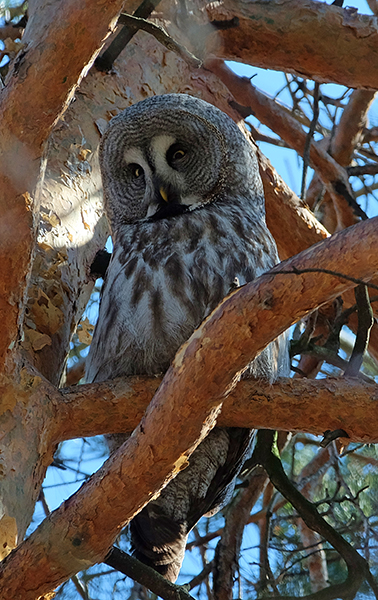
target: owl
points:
(185, 203)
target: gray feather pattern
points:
(174, 260)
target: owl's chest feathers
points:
(165, 277)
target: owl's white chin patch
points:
(152, 209)
(192, 201)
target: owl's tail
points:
(159, 532)
(158, 541)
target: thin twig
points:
(365, 323)
(79, 587)
(105, 61)
(333, 359)
(266, 575)
(369, 169)
(162, 36)
(266, 454)
(198, 579)
(132, 567)
(310, 134)
(355, 280)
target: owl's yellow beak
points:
(163, 194)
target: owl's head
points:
(171, 154)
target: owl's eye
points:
(175, 153)
(136, 170)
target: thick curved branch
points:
(306, 48)
(184, 409)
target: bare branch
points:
(161, 35)
(145, 575)
(228, 548)
(306, 49)
(309, 139)
(123, 37)
(365, 323)
(358, 569)
(369, 169)
(270, 113)
(347, 137)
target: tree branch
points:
(306, 49)
(269, 112)
(358, 569)
(237, 517)
(347, 137)
(184, 409)
(294, 214)
(130, 566)
(365, 323)
(309, 140)
(39, 87)
(228, 547)
(290, 404)
(123, 37)
(161, 35)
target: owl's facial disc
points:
(158, 178)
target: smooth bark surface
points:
(290, 404)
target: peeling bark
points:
(45, 280)
(59, 45)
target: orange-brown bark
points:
(290, 404)
(183, 410)
(298, 36)
(59, 287)
(291, 223)
(60, 43)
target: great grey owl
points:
(185, 203)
